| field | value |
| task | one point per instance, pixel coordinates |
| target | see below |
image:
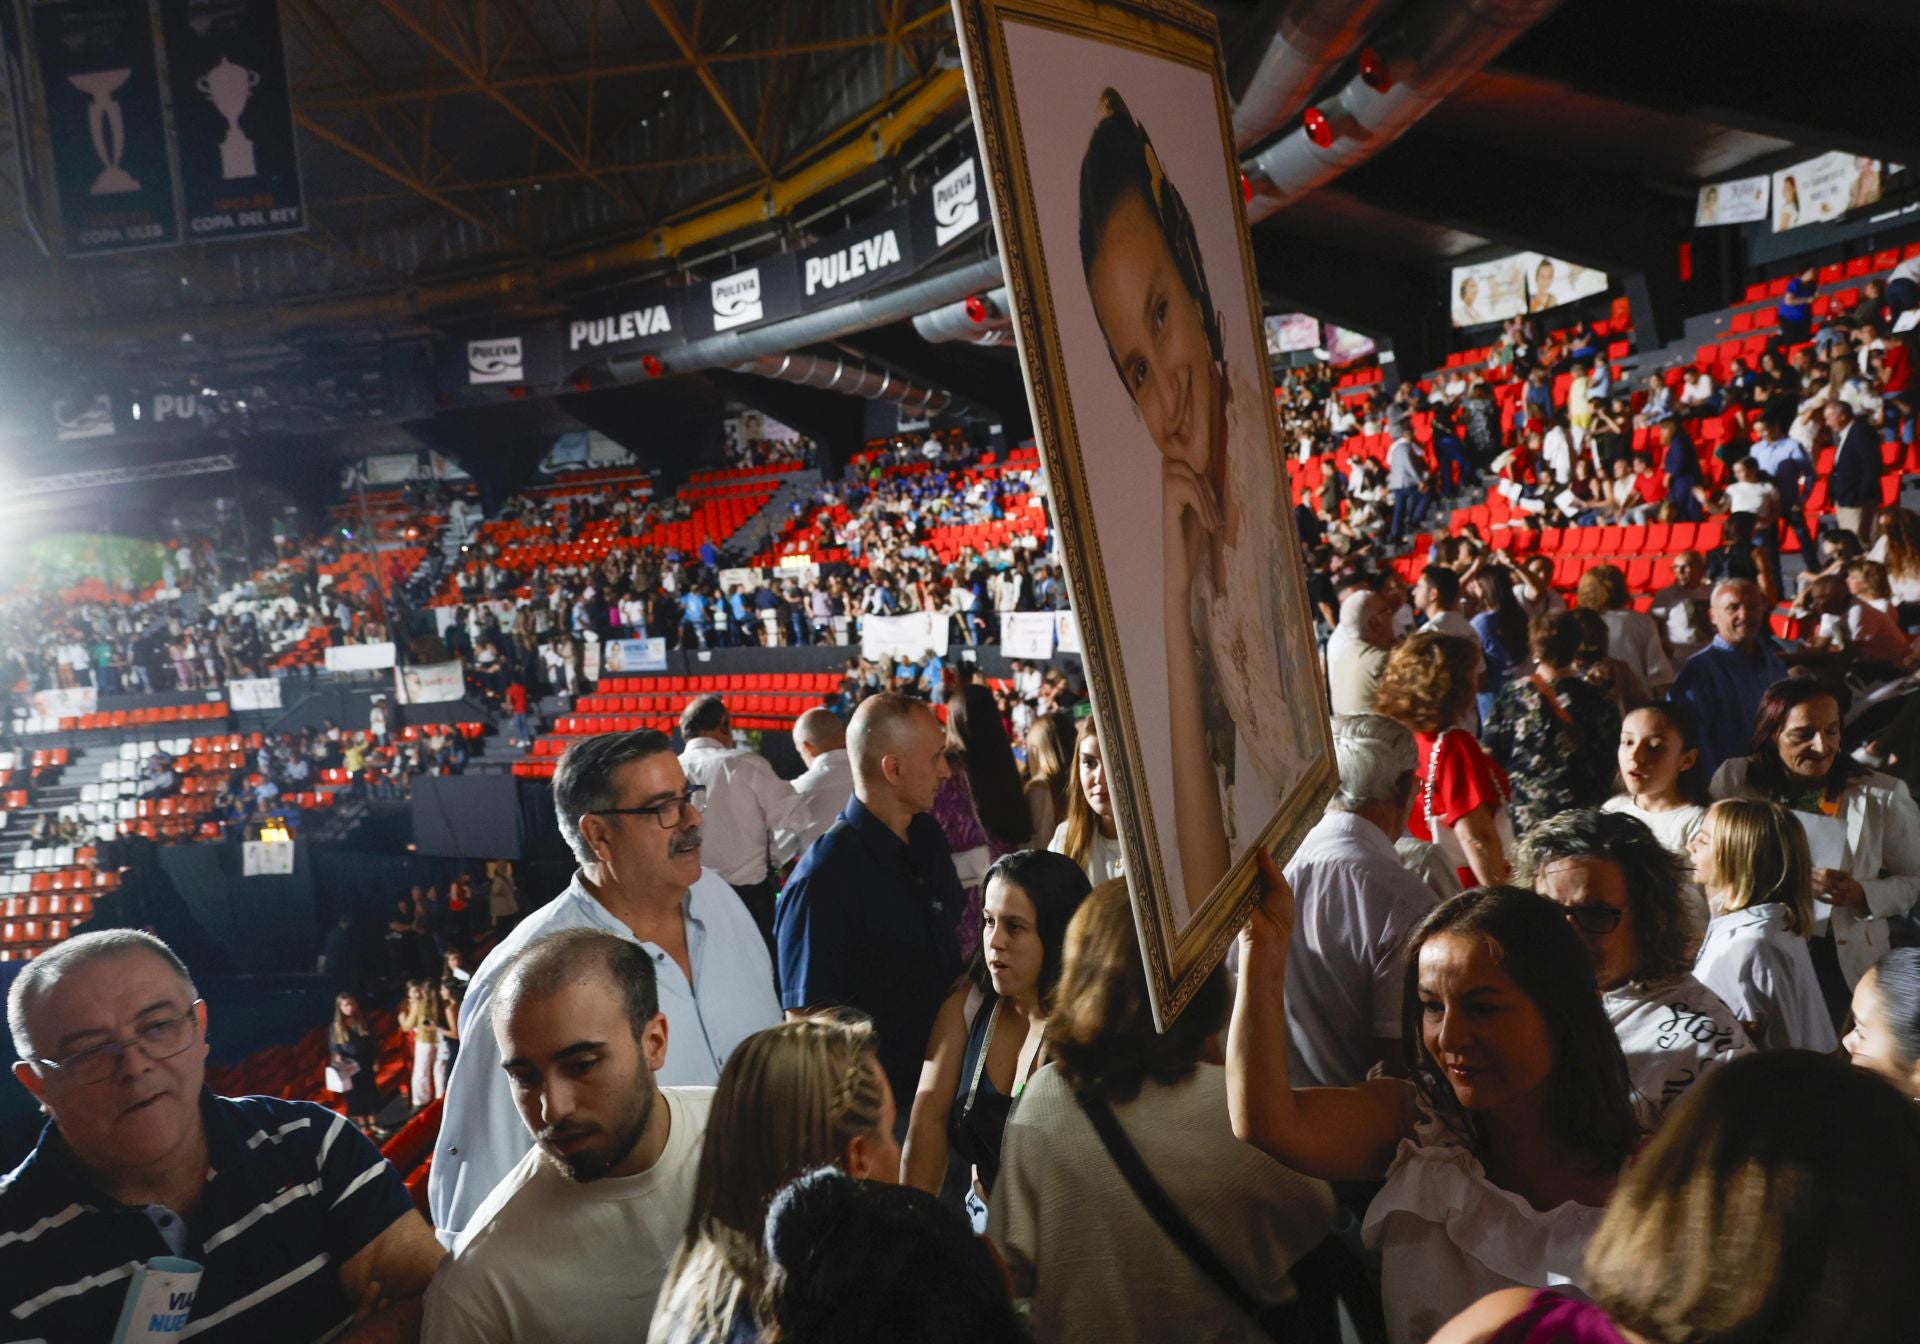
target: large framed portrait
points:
(1110, 165)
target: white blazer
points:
(1883, 854)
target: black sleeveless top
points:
(980, 1110)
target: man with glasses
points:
(633, 822)
(1624, 894)
(301, 1227)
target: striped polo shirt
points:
(293, 1191)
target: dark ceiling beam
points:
(1736, 63)
(664, 11)
(1392, 302)
(1621, 225)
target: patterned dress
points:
(1557, 743)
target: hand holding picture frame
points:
(1104, 130)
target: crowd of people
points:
(1588, 1010)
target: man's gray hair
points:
(1737, 584)
(583, 781)
(44, 971)
(1375, 755)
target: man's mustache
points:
(685, 842)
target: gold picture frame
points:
(1221, 648)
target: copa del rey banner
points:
(232, 118)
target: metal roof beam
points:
(670, 20)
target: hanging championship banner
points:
(232, 118)
(105, 125)
(26, 162)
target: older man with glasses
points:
(633, 822)
(300, 1227)
(1621, 889)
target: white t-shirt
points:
(1754, 497)
(1764, 973)
(546, 1259)
(1671, 1034)
(1104, 862)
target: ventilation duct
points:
(979, 319)
(1437, 47)
(729, 350)
(1309, 39)
(834, 373)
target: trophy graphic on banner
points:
(228, 86)
(108, 126)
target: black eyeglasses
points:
(1598, 920)
(157, 1041)
(669, 813)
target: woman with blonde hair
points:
(1750, 857)
(1430, 684)
(1049, 773)
(420, 1017)
(1090, 836)
(1781, 1202)
(805, 1094)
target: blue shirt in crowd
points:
(1723, 687)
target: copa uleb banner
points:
(1027, 634)
(254, 693)
(430, 683)
(359, 657)
(912, 636)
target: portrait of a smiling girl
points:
(1225, 584)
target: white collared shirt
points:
(730, 997)
(754, 818)
(1355, 903)
(825, 788)
(1764, 973)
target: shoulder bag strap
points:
(1171, 1221)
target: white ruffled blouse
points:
(1448, 1236)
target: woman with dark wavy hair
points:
(1872, 868)
(1500, 1152)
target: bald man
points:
(820, 737)
(867, 919)
(1723, 682)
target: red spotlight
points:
(652, 365)
(976, 308)
(1319, 129)
(1374, 71)
(583, 384)
(1246, 189)
(517, 393)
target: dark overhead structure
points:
(476, 171)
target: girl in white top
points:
(1662, 786)
(1500, 1153)
(1751, 858)
(1089, 836)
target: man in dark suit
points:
(1855, 486)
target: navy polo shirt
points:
(293, 1191)
(868, 922)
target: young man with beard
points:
(580, 1232)
(633, 822)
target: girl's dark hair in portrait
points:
(1120, 161)
(1589, 1100)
